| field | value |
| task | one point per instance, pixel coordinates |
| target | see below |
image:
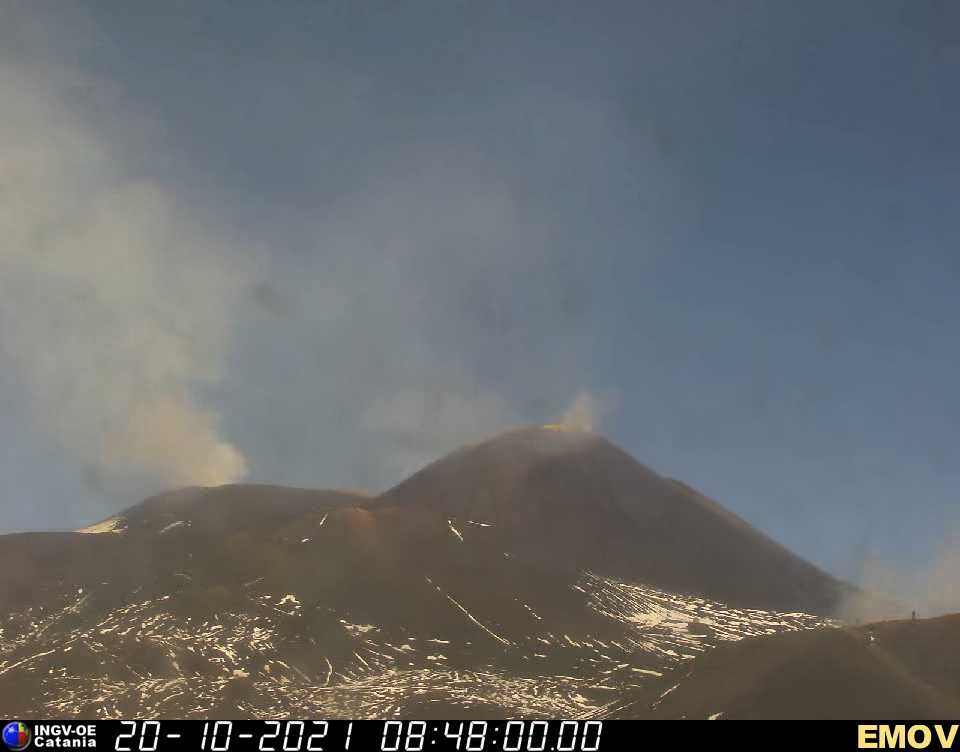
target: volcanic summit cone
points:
(572, 500)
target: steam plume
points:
(114, 302)
(582, 414)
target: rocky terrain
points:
(542, 573)
(893, 669)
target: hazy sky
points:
(323, 242)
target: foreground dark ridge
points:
(896, 669)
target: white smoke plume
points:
(114, 301)
(583, 414)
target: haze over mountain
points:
(328, 243)
(541, 572)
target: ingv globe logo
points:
(16, 736)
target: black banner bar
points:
(474, 736)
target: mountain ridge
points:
(560, 499)
(538, 573)
(654, 529)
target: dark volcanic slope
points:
(536, 574)
(571, 499)
(899, 669)
(257, 601)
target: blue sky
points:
(406, 225)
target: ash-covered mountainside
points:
(540, 573)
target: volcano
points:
(571, 500)
(540, 573)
